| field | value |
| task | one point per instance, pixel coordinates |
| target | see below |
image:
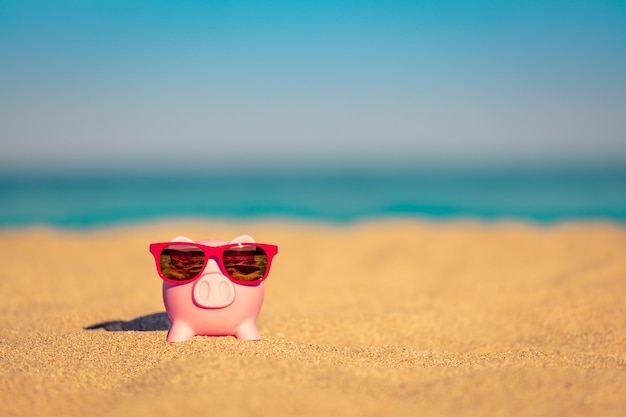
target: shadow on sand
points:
(147, 323)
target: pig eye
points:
(181, 262)
(245, 263)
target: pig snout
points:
(213, 291)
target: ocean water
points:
(86, 199)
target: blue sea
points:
(84, 200)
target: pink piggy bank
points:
(213, 287)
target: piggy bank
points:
(213, 287)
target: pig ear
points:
(182, 239)
(242, 239)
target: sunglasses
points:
(242, 263)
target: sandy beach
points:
(389, 318)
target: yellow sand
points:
(374, 319)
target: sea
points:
(99, 199)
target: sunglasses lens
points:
(246, 263)
(181, 262)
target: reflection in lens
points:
(245, 263)
(181, 262)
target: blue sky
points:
(222, 84)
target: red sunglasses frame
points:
(215, 252)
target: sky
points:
(266, 84)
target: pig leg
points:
(247, 331)
(179, 332)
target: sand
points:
(388, 318)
